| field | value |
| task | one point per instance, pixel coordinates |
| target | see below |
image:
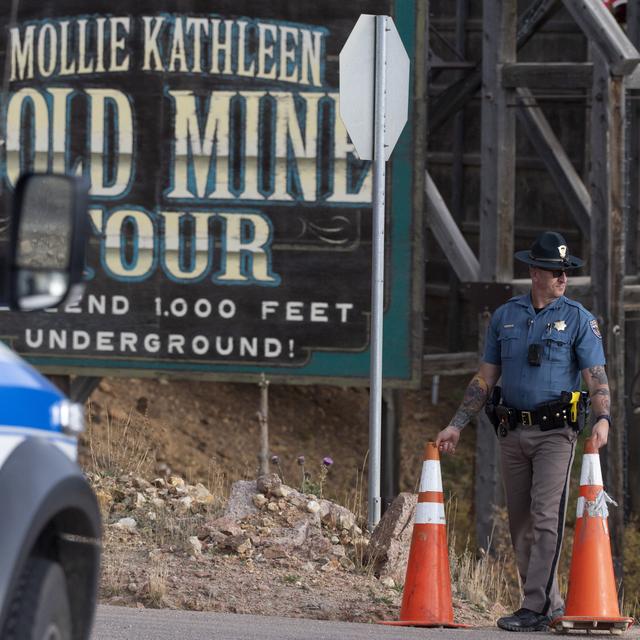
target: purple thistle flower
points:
(300, 460)
(327, 461)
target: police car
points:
(49, 518)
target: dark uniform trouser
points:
(536, 466)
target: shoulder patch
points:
(594, 327)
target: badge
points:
(560, 325)
(594, 327)
(562, 250)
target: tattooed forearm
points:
(601, 401)
(598, 383)
(474, 399)
(598, 375)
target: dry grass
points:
(356, 499)
(157, 586)
(481, 579)
(118, 447)
(113, 580)
(171, 529)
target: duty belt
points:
(553, 415)
(571, 408)
(541, 417)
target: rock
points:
(141, 483)
(313, 506)
(240, 503)
(227, 526)
(239, 544)
(260, 500)
(216, 538)
(267, 483)
(275, 553)
(388, 582)
(201, 494)
(139, 501)
(338, 551)
(105, 500)
(318, 546)
(346, 563)
(388, 549)
(126, 523)
(335, 540)
(175, 481)
(333, 515)
(290, 537)
(194, 546)
(332, 565)
(159, 482)
(185, 503)
(158, 502)
(282, 491)
(273, 507)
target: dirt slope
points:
(144, 432)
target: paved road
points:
(120, 623)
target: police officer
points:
(539, 343)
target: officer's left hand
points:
(600, 433)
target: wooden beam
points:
(632, 329)
(549, 76)
(497, 196)
(459, 93)
(449, 237)
(601, 28)
(607, 268)
(498, 148)
(452, 364)
(561, 169)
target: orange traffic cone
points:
(592, 600)
(426, 600)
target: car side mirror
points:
(48, 240)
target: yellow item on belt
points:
(575, 398)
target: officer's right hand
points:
(447, 439)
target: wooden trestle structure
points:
(603, 198)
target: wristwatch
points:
(604, 416)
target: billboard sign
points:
(230, 215)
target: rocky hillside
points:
(188, 526)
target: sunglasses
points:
(556, 273)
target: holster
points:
(584, 408)
(554, 415)
(492, 405)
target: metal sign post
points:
(374, 89)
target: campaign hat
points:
(549, 251)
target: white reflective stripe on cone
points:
(591, 472)
(580, 507)
(431, 480)
(430, 513)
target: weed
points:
(119, 447)
(157, 587)
(172, 529)
(114, 574)
(290, 578)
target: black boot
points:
(524, 620)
